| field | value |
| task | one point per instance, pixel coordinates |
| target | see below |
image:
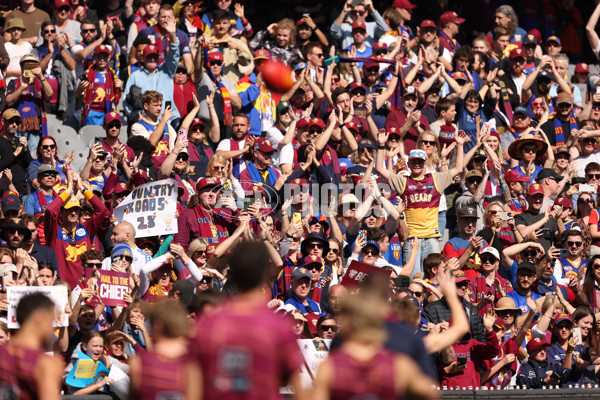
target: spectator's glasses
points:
(12, 231)
(64, 9)
(370, 252)
(207, 280)
(48, 146)
(15, 120)
(334, 251)
(380, 52)
(394, 138)
(417, 294)
(120, 343)
(315, 131)
(95, 265)
(552, 44)
(358, 92)
(530, 253)
(563, 105)
(316, 267)
(101, 157)
(504, 313)
(314, 246)
(88, 30)
(596, 106)
(489, 259)
(518, 60)
(181, 71)
(588, 200)
(544, 81)
(479, 159)
(218, 168)
(46, 31)
(428, 142)
(199, 253)
(182, 157)
(215, 63)
(359, 31)
(593, 176)
(536, 104)
(462, 284)
(326, 328)
(596, 266)
(356, 12)
(320, 55)
(122, 257)
(372, 69)
(48, 174)
(529, 149)
(574, 244)
(14, 29)
(472, 181)
(114, 125)
(589, 140)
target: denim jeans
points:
(426, 247)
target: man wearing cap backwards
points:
(205, 220)
(488, 286)
(341, 30)
(101, 89)
(408, 120)
(155, 77)
(14, 152)
(450, 24)
(421, 193)
(63, 232)
(545, 222)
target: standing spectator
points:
(534, 219)
(280, 40)
(142, 21)
(63, 24)
(153, 77)
(408, 120)
(488, 287)
(33, 17)
(405, 9)
(14, 153)
(238, 23)
(184, 90)
(309, 32)
(450, 27)
(342, 30)
(237, 148)
(359, 35)
(16, 47)
(84, 52)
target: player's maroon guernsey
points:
(17, 372)
(245, 352)
(353, 379)
(161, 377)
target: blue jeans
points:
(426, 247)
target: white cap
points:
(492, 251)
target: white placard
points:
(58, 294)
(314, 351)
(151, 208)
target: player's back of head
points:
(32, 303)
(249, 263)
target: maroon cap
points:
(258, 188)
(450, 16)
(312, 260)
(459, 276)
(535, 188)
(112, 116)
(379, 46)
(352, 126)
(122, 188)
(513, 176)
(299, 182)
(459, 75)
(197, 122)
(354, 86)
(262, 54)
(316, 122)
(370, 64)
(150, 50)
(300, 22)
(61, 3)
(499, 323)
(562, 317)
(582, 67)
(264, 145)
(102, 49)
(536, 344)
(564, 201)
(517, 53)
(403, 4)
(302, 123)
(359, 25)
(215, 56)
(207, 181)
(427, 23)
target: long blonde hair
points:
(434, 160)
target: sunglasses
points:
(596, 106)
(215, 63)
(378, 52)
(462, 284)
(574, 244)
(326, 328)
(315, 267)
(588, 200)
(358, 13)
(596, 266)
(373, 69)
(101, 158)
(48, 174)
(49, 31)
(114, 125)
(218, 168)
(417, 294)
(529, 150)
(428, 142)
(370, 252)
(504, 312)
(313, 131)
(182, 158)
(88, 30)
(593, 176)
(14, 121)
(181, 71)
(530, 253)
(359, 93)
(536, 105)
(335, 251)
(199, 253)
(96, 265)
(61, 9)
(48, 146)
(315, 245)
(544, 81)
(207, 279)
(12, 231)
(491, 260)
(320, 55)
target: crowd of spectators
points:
(449, 154)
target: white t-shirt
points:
(225, 145)
(281, 156)
(519, 82)
(581, 162)
(15, 53)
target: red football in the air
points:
(277, 76)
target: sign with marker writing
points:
(58, 294)
(151, 208)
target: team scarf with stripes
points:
(112, 94)
(227, 109)
(454, 45)
(558, 130)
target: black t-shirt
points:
(528, 218)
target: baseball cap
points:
(354, 86)
(480, 154)
(264, 145)
(122, 188)
(490, 250)
(316, 122)
(46, 168)
(499, 323)
(282, 106)
(11, 113)
(207, 181)
(366, 144)
(427, 23)
(300, 22)
(548, 173)
(102, 49)
(352, 126)
(150, 50)
(554, 39)
(563, 97)
(61, 3)
(300, 273)
(564, 202)
(545, 75)
(526, 266)
(417, 153)
(359, 25)
(520, 109)
(513, 176)
(582, 67)
(370, 64)
(459, 276)
(403, 4)
(300, 66)
(459, 75)
(450, 16)
(121, 249)
(197, 122)
(535, 188)
(112, 116)
(517, 53)
(215, 56)
(467, 212)
(262, 54)
(372, 243)
(562, 317)
(379, 46)
(530, 39)
(16, 224)
(72, 203)
(312, 260)
(473, 174)
(535, 345)
(409, 91)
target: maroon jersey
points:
(161, 377)
(353, 379)
(17, 372)
(245, 352)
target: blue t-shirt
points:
(521, 301)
